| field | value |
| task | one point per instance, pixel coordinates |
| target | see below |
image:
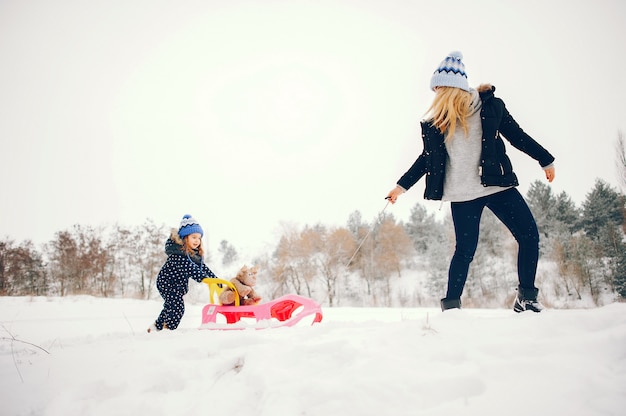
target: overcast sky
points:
(247, 114)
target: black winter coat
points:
(495, 166)
(179, 268)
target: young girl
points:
(465, 162)
(184, 260)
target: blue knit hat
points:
(188, 225)
(450, 73)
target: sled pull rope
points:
(368, 234)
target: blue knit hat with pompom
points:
(450, 73)
(188, 225)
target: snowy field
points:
(99, 361)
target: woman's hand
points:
(394, 194)
(550, 173)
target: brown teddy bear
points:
(244, 283)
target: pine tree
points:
(602, 209)
(553, 214)
(542, 203)
(228, 252)
(423, 229)
(619, 277)
(566, 215)
(603, 221)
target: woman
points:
(465, 162)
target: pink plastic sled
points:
(287, 310)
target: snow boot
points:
(526, 300)
(153, 328)
(450, 304)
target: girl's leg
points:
(172, 313)
(177, 312)
(165, 313)
(511, 208)
(466, 218)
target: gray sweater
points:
(462, 181)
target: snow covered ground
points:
(100, 361)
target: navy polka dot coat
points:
(173, 280)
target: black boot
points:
(526, 300)
(450, 304)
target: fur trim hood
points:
(485, 88)
(174, 245)
(175, 237)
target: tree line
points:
(103, 262)
(383, 262)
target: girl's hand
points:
(550, 173)
(394, 194)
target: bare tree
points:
(63, 255)
(80, 263)
(293, 268)
(620, 161)
(123, 247)
(393, 246)
(5, 263)
(335, 249)
(362, 260)
(21, 270)
(152, 239)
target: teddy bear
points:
(244, 283)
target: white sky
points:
(248, 114)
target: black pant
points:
(510, 208)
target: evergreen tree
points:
(603, 221)
(228, 252)
(602, 208)
(566, 214)
(553, 214)
(619, 278)
(423, 229)
(558, 220)
(542, 203)
(355, 224)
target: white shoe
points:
(522, 305)
(153, 328)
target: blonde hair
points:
(451, 105)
